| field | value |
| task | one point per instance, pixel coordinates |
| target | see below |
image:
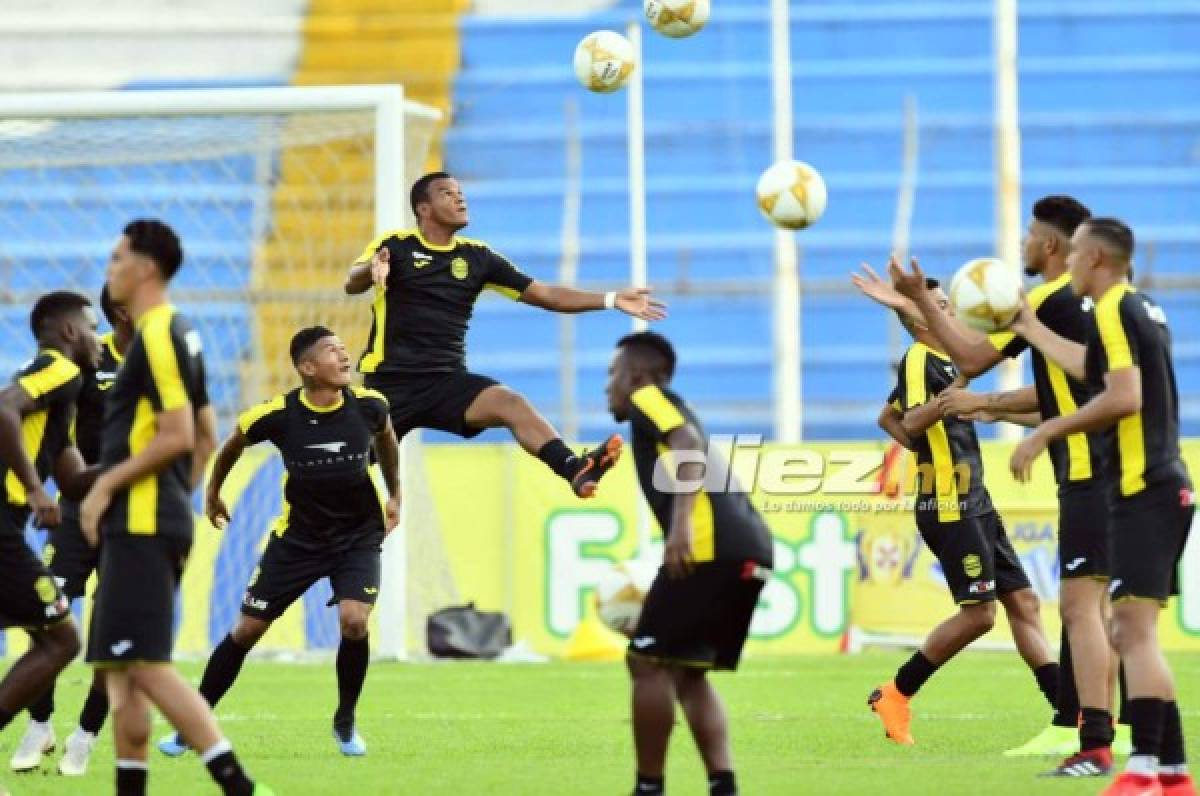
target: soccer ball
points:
(620, 593)
(791, 194)
(986, 294)
(677, 19)
(604, 61)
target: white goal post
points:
(76, 161)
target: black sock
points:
(352, 659)
(1122, 696)
(1066, 705)
(1172, 753)
(651, 786)
(95, 709)
(1146, 718)
(913, 674)
(222, 669)
(227, 772)
(42, 708)
(1096, 731)
(6, 717)
(131, 778)
(559, 458)
(1047, 680)
(722, 783)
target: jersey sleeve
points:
(893, 399)
(375, 245)
(51, 380)
(1009, 344)
(1118, 334)
(263, 422)
(374, 408)
(912, 388)
(173, 360)
(504, 277)
(654, 411)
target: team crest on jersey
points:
(459, 267)
(48, 554)
(972, 565)
(47, 592)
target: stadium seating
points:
(1110, 111)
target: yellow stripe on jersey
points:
(369, 251)
(1112, 331)
(51, 377)
(285, 509)
(374, 356)
(1039, 294)
(367, 392)
(155, 327)
(1000, 340)
(507, 292)
(1131, 450)
(33, 429)
(1078, 449)
(143, 494)
(651, 401)
(704, 527)
(110, 342)
(945, 486)
(914, 376)
(256, 413)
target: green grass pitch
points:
(799, 726)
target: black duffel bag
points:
(461, 631)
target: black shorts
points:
(977, 558)
(1150, 530)
(701, 620)
(1084, 535)
(287, 570)
(68, 555)
(133, 619)
(29, 596)
(431, 400)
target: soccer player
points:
(142, 506)
(718, 554)
(36, 415)
(1127, 361)
(72, 560)
(1082, 723)
(332, 524)
(426, 281)
(956, 519)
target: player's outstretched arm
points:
(365, 273)
(15, 403)
(206, 443)
(1067, 354)
(387, 449)
(214, 507)
(637, 302)
(958, 402)
(891, 420)
(884, 294)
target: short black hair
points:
(52, 307)
(420, 188)
(108, 306)
(1064, 213)
(154, 239)
(304, 340)
(1115, 233)
(654, 347)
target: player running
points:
(1127, 361)
(957, 521)
(426, 281)
(332, 525)
(718, 555)
(142, 505)
(71, 560)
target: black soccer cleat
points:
(596, 463)
(1092, 763)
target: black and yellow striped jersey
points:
(89, 421)
(163, 371)
(725, 527)
(328, 493)
(1130, 330)
(949, 473)
(53, 382)
(1079, 457)
(420, 319)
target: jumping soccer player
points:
(426, 281)
(718, 554)
(142, 505)
(1127, 361)
(36, 416)
(956, 519)
(71, 560)
(332, 525)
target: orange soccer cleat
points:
(1177, 784)
(892, 709)
(1128, 784)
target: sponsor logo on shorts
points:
(641, 642)
(48, 554)
(371, 589)
(47, 592)
(972, 565)
(250, 601)
(982, 587)
(121, 647)
(1075, 563)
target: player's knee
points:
(1129, 631)
(510, 405)
(643, 670)
(248, 630)
(980, 616)
(1075, 611)
(354, 628)
(61, 642)
(1028, 604)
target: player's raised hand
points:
(911, 284)
(1025, 317)
(638, 302)
(45, 509)
(875, 288)
(381, 266)
(391, 511)
(1021, 463)
(216, 511)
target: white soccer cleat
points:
(37, 743)
(77, 750)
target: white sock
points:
(133, 764)
(1177, 770)
(1145, 765)
(219, 748)
(44, 726)
(80, 732)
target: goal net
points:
(273, 193)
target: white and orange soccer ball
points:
(604, 61)
(620, 593)
(986, 294)
(676, 19)
(791, 194)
